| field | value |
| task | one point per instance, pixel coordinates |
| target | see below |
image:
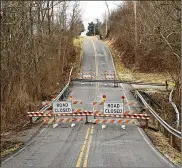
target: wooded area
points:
(147, 36)
(37, 53)
(94, 28)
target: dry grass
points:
(9, 147)
(163, 145)
(77, 42)
(126, 74)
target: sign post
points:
(71, 98)
(104, 99)
(122, 97)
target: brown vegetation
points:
(37, 53)
(148, 40)
(163, 145)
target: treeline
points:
(37, 52)
(147, 36)
(94, 28)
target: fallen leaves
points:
(8, 147)
(163, 145)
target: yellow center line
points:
(88, 148)
(92, 129)
(95, 54)
(82, 149)
(96, 67)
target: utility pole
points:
(106, 16)
(136, 39)
(106, 24)
(94, 29)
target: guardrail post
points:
(166, 85)
(165, 132)
(172, 138)
(146, 123)
(153, 120)
(158, 125)
(86, 119)
(31, 120)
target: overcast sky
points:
(95, 9)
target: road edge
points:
(154, 149)
(29, 141)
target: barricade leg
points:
(86, 119)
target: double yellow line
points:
(96, 65)
(89, 138)
(89, 133)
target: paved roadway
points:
(88, 145)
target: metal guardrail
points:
(161, 121)
(57, 98)
(116, 81)
(175, 108)
(60, 94)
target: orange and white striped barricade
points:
(61, 107)
(77, 105)
(51, 120)
(131, 103)
(108, 76)
(86, 75)
(134, 116)
(114, 121)
(30, 115)
(77, 102)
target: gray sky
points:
(95, 9)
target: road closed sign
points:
(62, 107)
(113, 108)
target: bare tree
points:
(158, 37)
(33, 55)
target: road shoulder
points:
(12, 142)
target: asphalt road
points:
(88, 145)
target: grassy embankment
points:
(77, 42)
(126, 74)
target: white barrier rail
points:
(161, 121)
(175, 108)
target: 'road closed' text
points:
(62, 107)
(113, 108)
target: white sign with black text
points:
(62, 107)
(113, 108)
